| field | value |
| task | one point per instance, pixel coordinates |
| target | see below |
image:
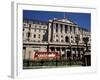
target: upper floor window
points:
(56, 35)
(24, 25)
(43, 26)
(39, 36)
(34, 35)
(57, 40)
(61, 35)
(28, 34)
(29, 25)
(66, 39)
(62, 40)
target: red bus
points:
(46, 56)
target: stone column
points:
(59, 28)
(63, 28)
(54, 31)
(49, 31)
(73, 29)
(68, 29)
(54, 28)
(77, 30)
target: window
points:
(24, 25)
(61, 28)
(28, 34)
(61, 35)
(29, 25)
(34, 35)
(66, 39)
(56, 27)
(62, 40)
(52, 48)
(43, 26)
(39, 36)
(66, 27)
(58, 49)
(56, 35)
(57, 40)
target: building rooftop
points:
(34, 21)
(65, 20)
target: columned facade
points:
(62, 36)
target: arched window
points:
(66, 39)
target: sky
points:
(82, 19)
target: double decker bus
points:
(46, 56)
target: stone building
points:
(57, 35)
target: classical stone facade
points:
(57, 35)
